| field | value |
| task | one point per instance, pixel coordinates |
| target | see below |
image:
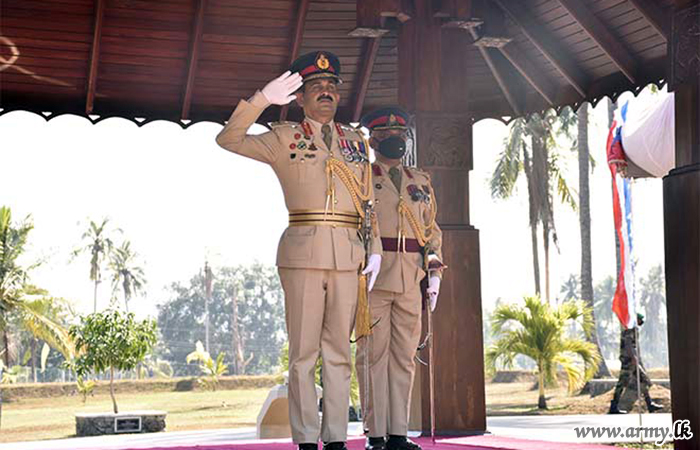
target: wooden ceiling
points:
(193, 60)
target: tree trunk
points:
(235, 335)
(585, 225)
(6, 344)
(541, 199)
(533, 219)
(207, 299)
(542, 401)
(111, 389)
(545, 241)
(95, 297)
(33, 347)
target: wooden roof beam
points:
(195, 45)
(546, 44)
(654, 15)
(494, 33)
(601, 34)
(94, 55)
(537, 79)
(367, 61)
(297, 38)
(499, 74)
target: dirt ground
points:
(520, 398)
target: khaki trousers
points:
(320, 313)
(391, 350)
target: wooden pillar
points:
(433, 86)
(682, 224)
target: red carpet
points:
(487, 442)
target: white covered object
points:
(648, 133)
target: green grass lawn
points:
(52, 418)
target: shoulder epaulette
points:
(284, 123)
(417, 171)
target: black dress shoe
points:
(308, 446)
(335, 446)
(375, 443)
(401, 443)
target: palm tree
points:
(13, 278)
(532, 148)
(537, 331)
(13, 239)
(98, 245)
(584, 158)
(570, 289)
(607, 323)
(653, 302)
(126, 273)
(16, 296)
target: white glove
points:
(373, 266)
(433, 291)
(280, 91)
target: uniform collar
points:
(318, 125)
(385, 167)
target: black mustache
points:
(324, 96)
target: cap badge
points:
(322, 62)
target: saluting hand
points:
(280, 91)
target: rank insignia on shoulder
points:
(313, 147)
(301, 145)
(283, 123)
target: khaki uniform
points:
(395, 302)
(319, 256)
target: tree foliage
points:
(127, 274)
(537, 331)
(110, 340)
(212, 369)
(259, 317)
(533, 148)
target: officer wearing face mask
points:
(412, 242)
(325, 174)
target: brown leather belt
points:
(394, 245)
(319, 218)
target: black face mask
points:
(392, 147)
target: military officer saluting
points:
(325, 174)
(406, 210)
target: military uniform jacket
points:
(403, 271)
(300, 166)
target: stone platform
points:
(99, 424)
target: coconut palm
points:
(584, 160)
(98, 244)
(538, 331)
(126, 274)
(532, 148)
(17, 298)
(13, 279)
(13, 276)
(653, 302)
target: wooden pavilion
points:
(449, 62)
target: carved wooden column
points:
(682, 223)
(433, 83)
